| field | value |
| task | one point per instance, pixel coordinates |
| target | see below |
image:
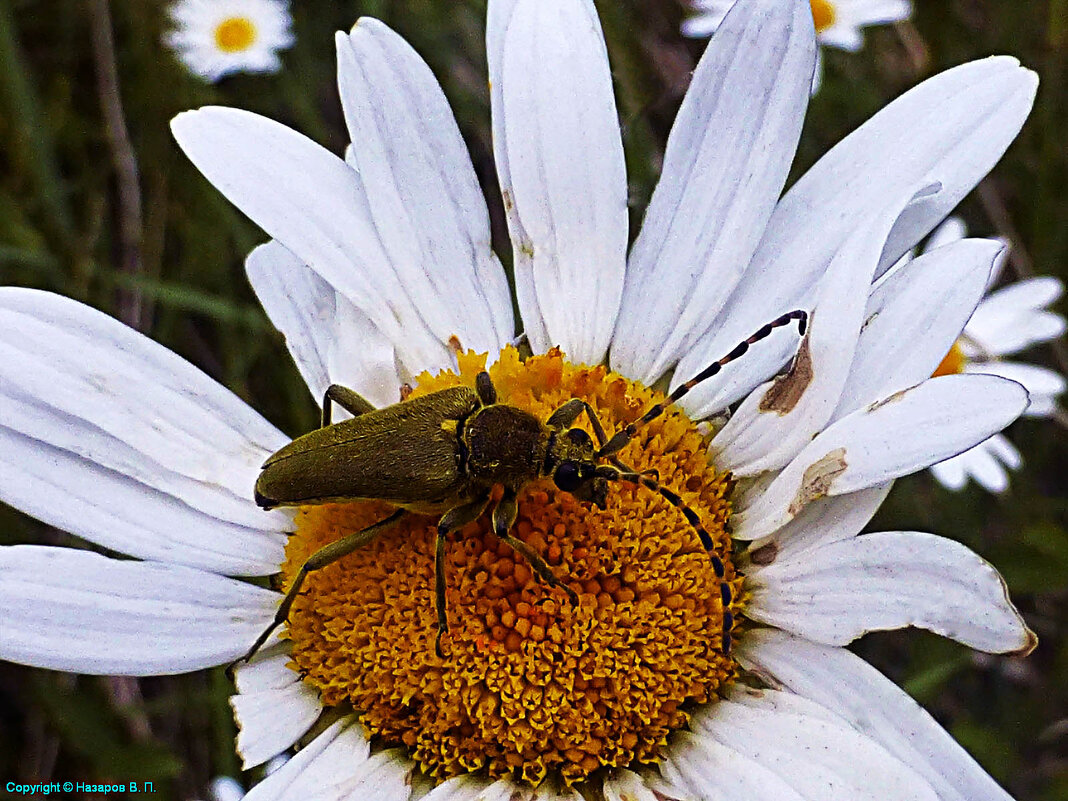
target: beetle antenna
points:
(620, 439)
(645, 480)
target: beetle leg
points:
(455, 518)
(504, 515)
(487, 393)
(349, 400)
(326, 555)
(568, 414)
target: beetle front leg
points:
(504, 516)
(455, 518)
(351, 401)
(326, 555)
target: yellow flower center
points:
(823, 14)
(531, 685)
(235, 34)
(953, 363)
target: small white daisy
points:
(838, 23)
(1008, 320)
(378, 264)
(214, 38)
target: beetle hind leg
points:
(348, 399)
(455, 518)
(326, 555)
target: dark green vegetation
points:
(69, 223)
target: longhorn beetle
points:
(443, 453)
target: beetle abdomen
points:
(407, 454)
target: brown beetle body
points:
(444, 453)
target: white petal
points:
(226, 788)
(951, 230)
(888, 580)
(317, 207)
(899, 435)
(822, 522)
(707, 769)
(1004, 451)
(1036, 380)
(114, 438)
(323, 770)
(560, 163)
(1011, 318)
(385, 776)
(938, 140)
(813, 751)
(467, 787)
(472, 787)
(982, 463)
(726, 162)
(913, 318)
(952, 473)
(986, 470)
(626, 785)
(273, 707)
(846, 685)
(422, 191)
(65, 609)
(331, 341)
(777, 420)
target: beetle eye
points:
(567, 476)
(579, 437)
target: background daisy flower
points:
(1008, 320)
(215, 38)
(838, 23)
(380, 262)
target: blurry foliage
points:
(58, 231)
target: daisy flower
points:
(1007, 321)
(215, 38)
(838, 22)
(704, 656)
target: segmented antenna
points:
(620, 439)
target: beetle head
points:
(573, 456)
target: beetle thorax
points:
(505, 445)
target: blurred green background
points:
(162, 250)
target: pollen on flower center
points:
(235, 34)
(823, 14)
(953, 363)
(530, 685)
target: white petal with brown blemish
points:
(948, 132)
(913, 318)
(901, 434)
(778, 419)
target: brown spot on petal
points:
(787, 390)
(818, 479)
(888, 400)
(1028, 647)
(765, 554)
